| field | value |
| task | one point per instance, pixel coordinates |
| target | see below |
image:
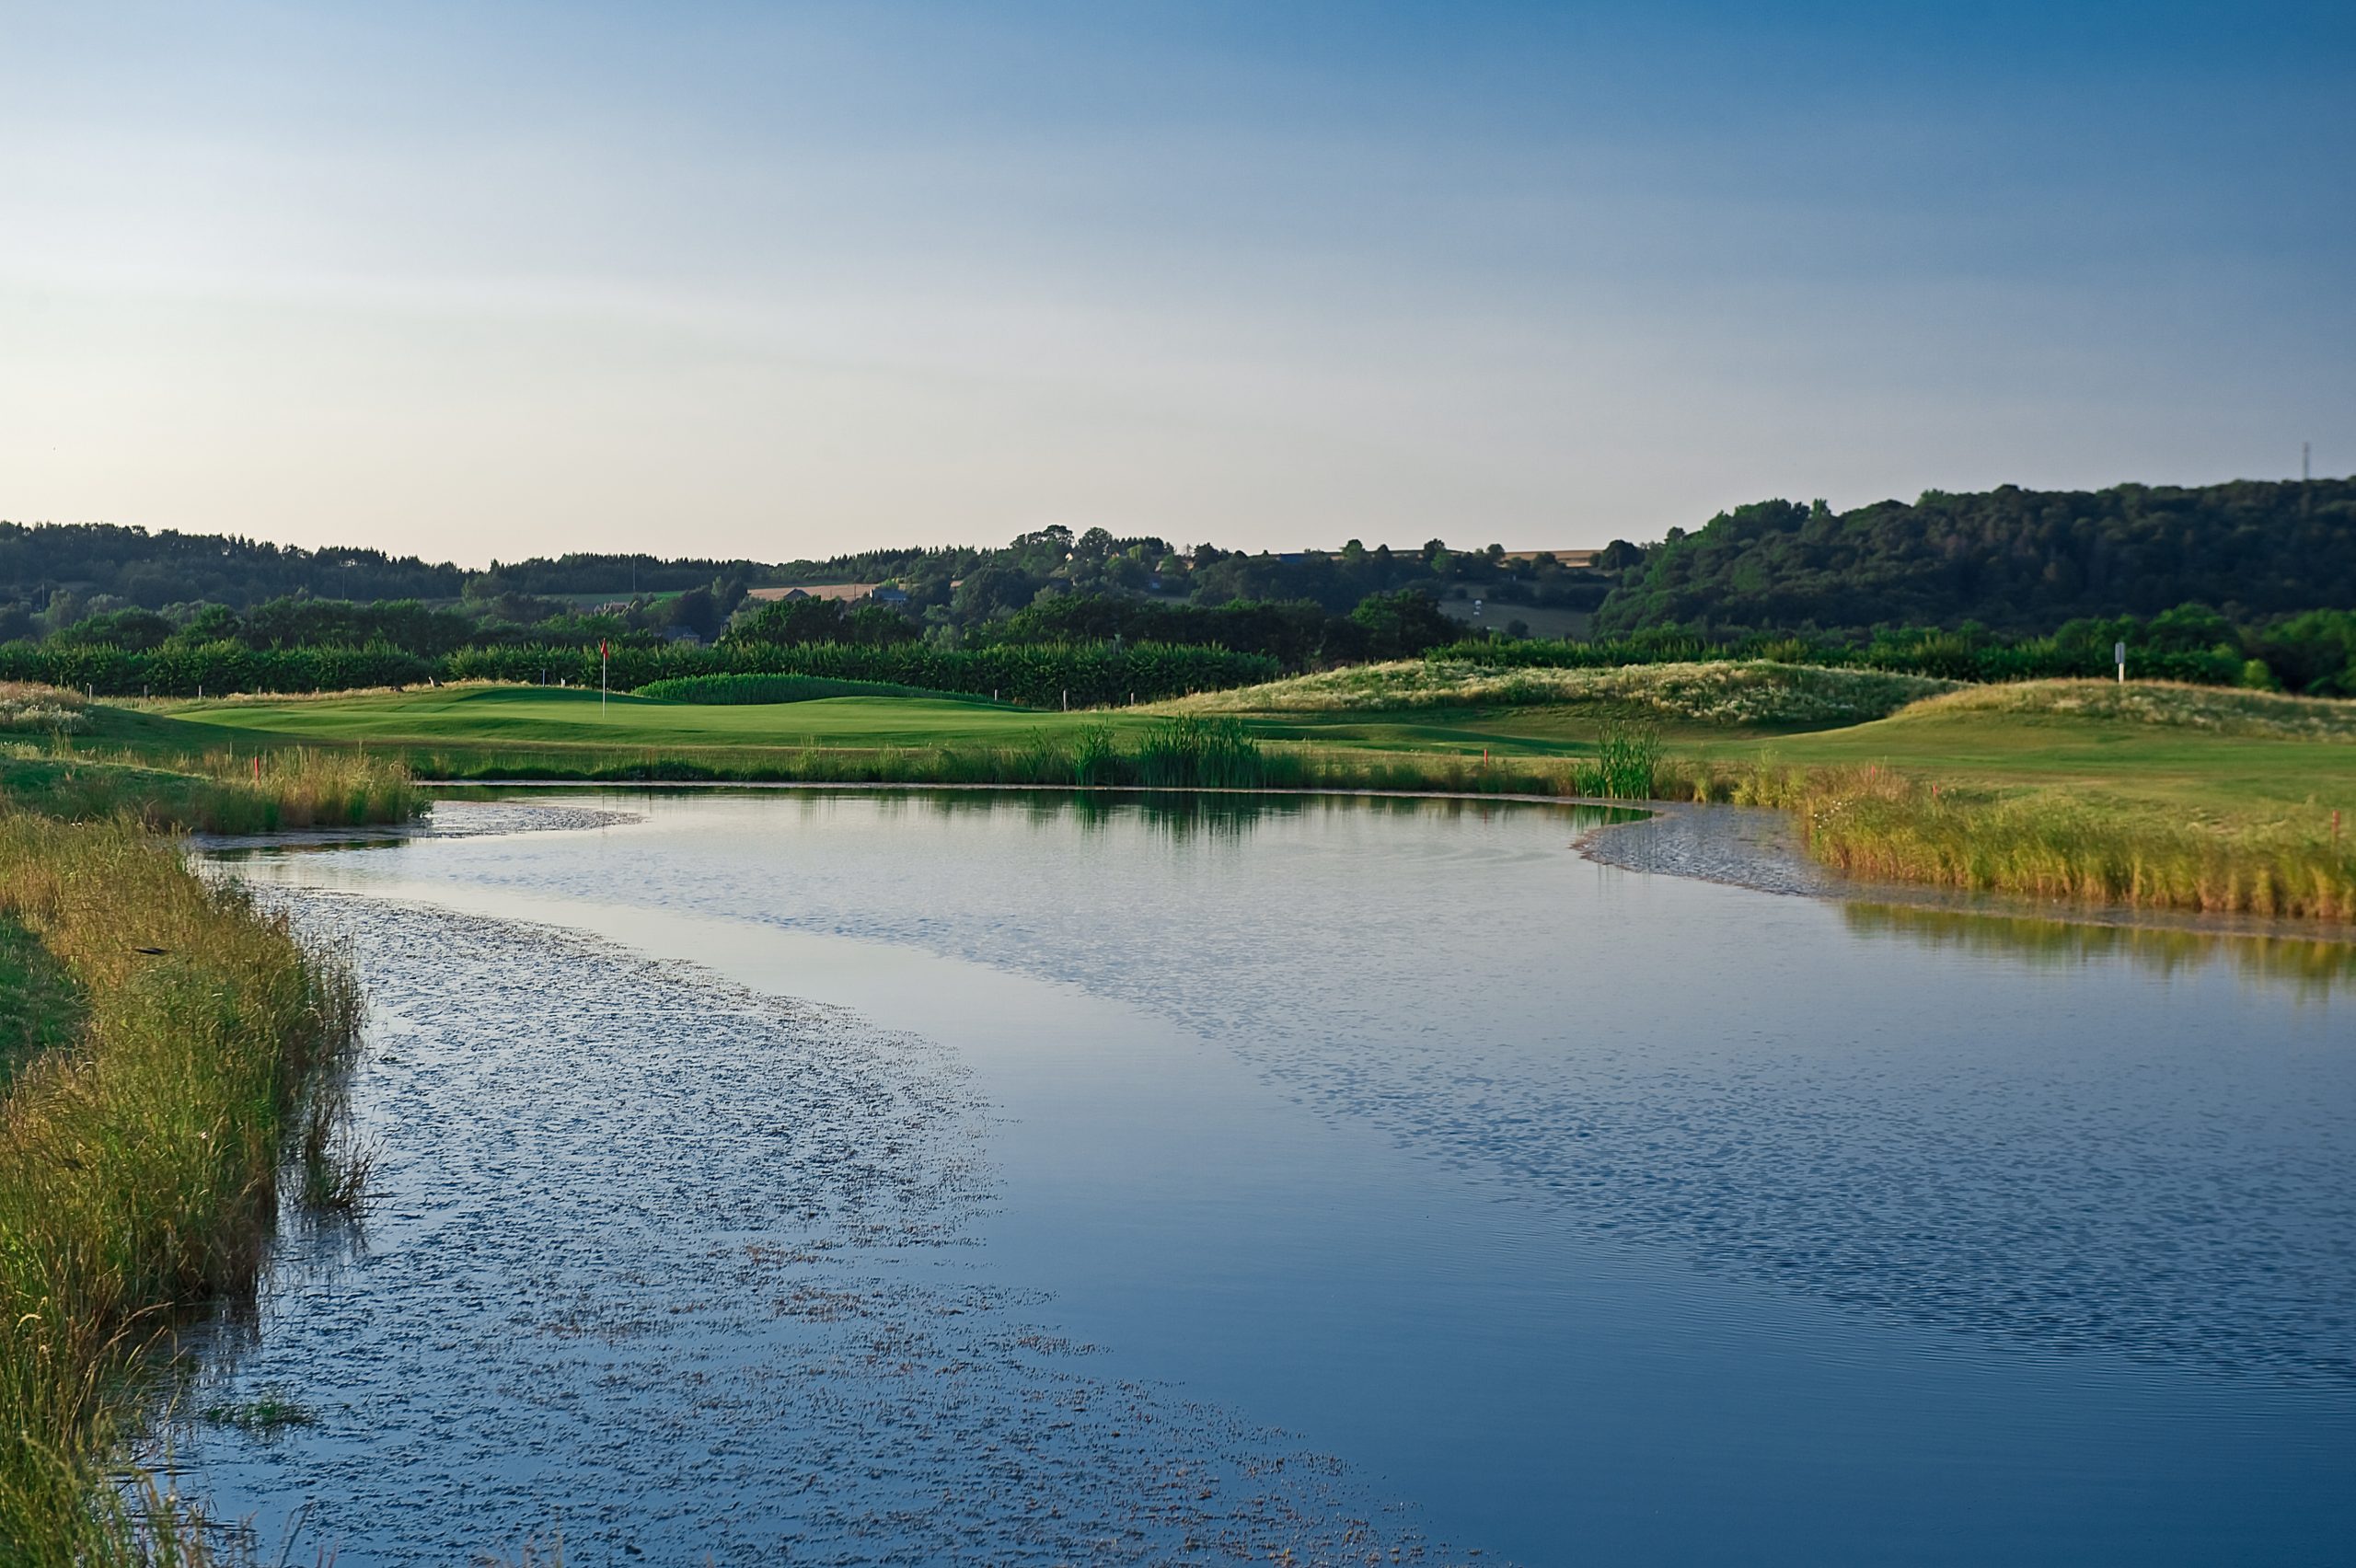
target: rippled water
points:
(1017, 1179)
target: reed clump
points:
(1871, 822)
(139, 1163)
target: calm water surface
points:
(856, 1178)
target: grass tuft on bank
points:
(140, 1159)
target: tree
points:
(1403, 624)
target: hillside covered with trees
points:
(2016, 560)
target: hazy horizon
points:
(776, 282)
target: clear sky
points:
(486, 279)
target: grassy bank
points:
(217, 791)
(140, 1154)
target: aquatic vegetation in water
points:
(270, 1410)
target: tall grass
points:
(1871, 822)
(216, 791)
(139, 1166)
(30, 705)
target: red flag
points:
(601, 647)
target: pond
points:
(866, 1177)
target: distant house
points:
(684, 634)
(1574, 560)
(848, 592)
(887, 595)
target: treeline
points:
(1037, 675)
(134, 589)
(2314, 653)
(139, 567)
(2022, 561)
(1299, 634)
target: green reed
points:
(139, 1163)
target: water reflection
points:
(2314, 965)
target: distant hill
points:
(2014, 560)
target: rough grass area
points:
(29, 705)
(1754, 694)
(139, 1163)
(216, 792)
(2219, 711)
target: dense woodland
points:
(2247, 582)
(2023, 561)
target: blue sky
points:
(478, 279)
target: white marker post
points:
(2118, 652)
(601, 677)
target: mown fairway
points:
(541, 716)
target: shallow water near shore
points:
(1008, 1178)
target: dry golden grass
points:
(31, 706)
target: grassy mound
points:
(1755, 693)
(2220, 710)
(736, 689)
